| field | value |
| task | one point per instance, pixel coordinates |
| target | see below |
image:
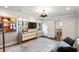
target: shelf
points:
(27, 36)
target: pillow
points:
(69, 41)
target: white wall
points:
(10, 37)
(45, 29)
(49, 28)
(69, 26)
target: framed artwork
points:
(9, 24)
(1, 23)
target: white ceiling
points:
(56, 10)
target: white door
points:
(51, 29)
(45, 29)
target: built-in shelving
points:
(26, 36)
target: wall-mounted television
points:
(32, 25)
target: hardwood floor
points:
(37, 45)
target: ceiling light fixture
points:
(61, 24)
(43, 11)
(43, 14)
(67, 8)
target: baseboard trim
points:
(8, 45)
(29, 40)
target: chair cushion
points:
(69, 41)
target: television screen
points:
(32, 25)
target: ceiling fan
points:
(43, 14)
